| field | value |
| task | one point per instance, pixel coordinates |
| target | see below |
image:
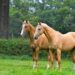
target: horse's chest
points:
(53, 45)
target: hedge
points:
(14, 46)
(19, 46)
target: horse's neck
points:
(50, 33)
(31, 34)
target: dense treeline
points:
(60, 14)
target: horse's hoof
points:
(56, 64)
(74, 68)
(48, 66)
(34, 66)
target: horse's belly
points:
(45, 46)
(67, 46)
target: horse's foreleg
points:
(52, 58)
(33, 58)
(48, 58)
(56, 60)
(37, 55)
(59, 57)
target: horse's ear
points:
(28, 22)
(24, 21)
(39, 23)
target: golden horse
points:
(57, 41)
(36, 45)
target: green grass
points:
(22, 65)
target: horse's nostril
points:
(35, 37)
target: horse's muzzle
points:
(35, 38)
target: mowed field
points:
(22, 65)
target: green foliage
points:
(14, 47)
(21, 46)
(60, 14)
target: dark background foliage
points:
(59, 14)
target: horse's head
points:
(39, 30)
(25, 28)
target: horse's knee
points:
(52, 62)
(36, 58)
(58, 59)
(48, 57)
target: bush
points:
(20, 47)
(14, 46)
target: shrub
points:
(20, 46)
(14, 46)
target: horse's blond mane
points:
(31, 26)
(45, 25)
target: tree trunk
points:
(4, 17)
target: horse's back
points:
(72, 33)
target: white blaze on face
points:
(22, 31)
(36, 33)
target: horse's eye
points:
(39, 29)
(25, 26)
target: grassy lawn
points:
(22, 65)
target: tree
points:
(59, 14)
(4, 14)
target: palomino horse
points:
(36, 45)
(57, 41)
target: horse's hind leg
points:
(73, 59)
